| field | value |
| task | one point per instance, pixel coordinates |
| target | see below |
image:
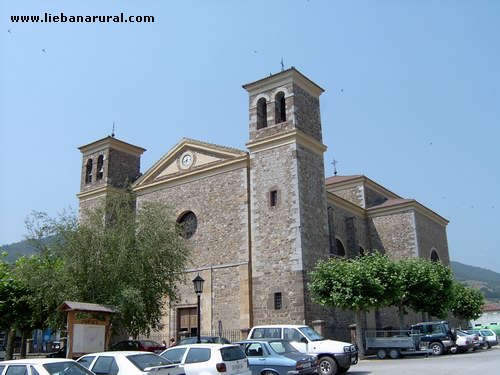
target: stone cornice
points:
(293, 136)
(404, 207)
(345, 205)
(113, 143)
(291, 75)
(363, 181)
(195, 174)
(96, 193)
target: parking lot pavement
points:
(484, 362)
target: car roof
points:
(281, 326)
(202, 345)
(35, 361)
(260, 340)
(118, 353)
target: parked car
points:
(204, 340)
(491, 337)
(463, 343)
(141, 345)
(439, 337)
(61, 353)
(333, 356)
(129, 363)
(43, 366)
(2, 352)
(479, 338)
(277, 357)
(209, 359)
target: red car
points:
(140, 345)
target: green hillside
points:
(480, 278)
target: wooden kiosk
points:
(89, 327)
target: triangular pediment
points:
(189, 157)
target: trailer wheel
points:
(381, 353)
(394, 353)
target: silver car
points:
(491, 337)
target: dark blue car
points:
(277, 357)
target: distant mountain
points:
(17, 250)
(488, 282)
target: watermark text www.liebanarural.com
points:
(61, 17)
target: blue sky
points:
(411, 96)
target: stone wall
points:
(276, 252)
(373, 198)
(219, 247)
(394, 234)
(355, 195)
(431, 235)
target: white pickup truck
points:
(334, 356)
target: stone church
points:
(257, 220)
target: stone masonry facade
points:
(266, 215)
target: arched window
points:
(340, 248)
(279, 103)
(88, 171)
(188, 223)
(261, 113)
(100, 167)
(434, 255)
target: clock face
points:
(186, 160)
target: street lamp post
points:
(198, 289)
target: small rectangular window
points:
(274, 198)
(278, 304)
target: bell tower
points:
(289, 227)
(107, 164)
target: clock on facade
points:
(186, 160)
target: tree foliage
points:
(467, 303)
(131, 261)
(424, 286)
(361, 284)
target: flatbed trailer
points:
(394, 344)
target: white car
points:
(129, 363)
(463, 343)
(209, 359)
(43, 366)
(490, 336)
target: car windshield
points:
(142, 361)
(311, 334)
(282, 346)
(66, 368)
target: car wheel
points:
(485, 345)
(437, 348)
(327, 366)
(381, 353)
(394, 353)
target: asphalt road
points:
(484, 362)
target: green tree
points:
(360, 284)
(466, 303)
(131, 261)
(424, 286)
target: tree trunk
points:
(401, 313)
(360, 334)
(9, 352)
(24, 338)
